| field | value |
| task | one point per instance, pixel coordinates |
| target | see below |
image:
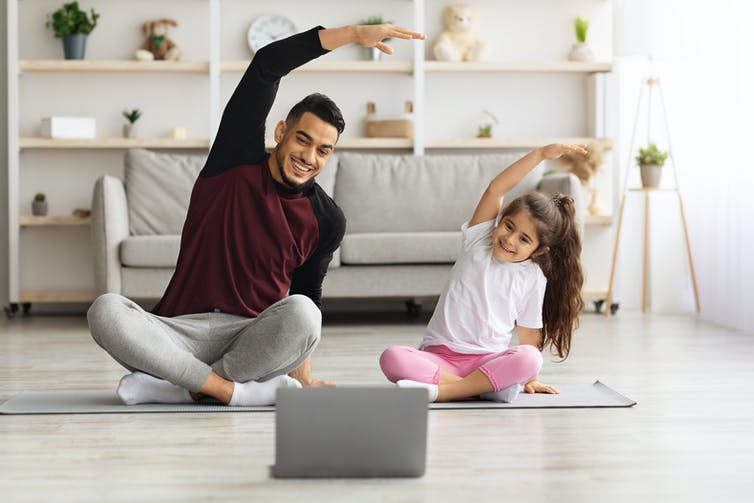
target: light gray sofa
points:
(404, 216)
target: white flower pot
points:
(580, 51)
(650, 175)
(129, 130)
(372, 54)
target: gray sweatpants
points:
(185, 349)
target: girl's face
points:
(515, 238)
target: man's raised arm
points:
(366, 36)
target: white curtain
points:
(709, 44)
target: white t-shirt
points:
(485, 298)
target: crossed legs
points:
(237, 360)
(452, 376)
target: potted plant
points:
(373, 53)
(650, 161)
(485, 130)
(129, 129)
(39, 205)
(580, 51)
(72, 25)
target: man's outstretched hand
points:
(366, 35)
(374, 34)
(303, 374)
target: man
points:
(240, 316)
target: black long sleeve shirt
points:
(247, 240)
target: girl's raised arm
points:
(492, 199)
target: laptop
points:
(350, 432)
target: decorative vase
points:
(650, 175)
(580, 51)
(39, 208)
(372, 54)
(74, 46)
(595, 207)
(129, 130)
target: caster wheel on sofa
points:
(598, 305)
(413, 309)
(11, 310)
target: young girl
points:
(520, 267)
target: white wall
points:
(4, 294)
(527, 104)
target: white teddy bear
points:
(459, 41)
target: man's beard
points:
(291, 184)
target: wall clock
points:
(268, 29)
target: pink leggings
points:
(517, 365)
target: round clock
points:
(268, 29)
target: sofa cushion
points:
(392, 193)
(401, 248)
(335, 262)
(150, 251)
(158, 189)
(326, 177)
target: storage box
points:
(69, 127)
(390, 127)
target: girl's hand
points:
(556, 150)
(373, 35)
(538, 387)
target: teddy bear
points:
(459, 41)
(157, 45)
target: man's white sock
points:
(139, 387)
(254, 394)
(506, 395)
(432, 388)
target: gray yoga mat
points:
(106, 402)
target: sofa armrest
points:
(109, 228)
(567, 184)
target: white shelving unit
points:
(214, 68)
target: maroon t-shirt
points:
(247, 240)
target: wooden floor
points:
(690, 438)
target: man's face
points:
(303, 148)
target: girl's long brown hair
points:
(558, 255)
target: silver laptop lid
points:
(350, 432)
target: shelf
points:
(520, 67)
(52, 297)
(52, 221)
(334, 67)
(651, 189)
(83, 65)
(482, 143)
(598, 220)
(113, 143)
(346, 143)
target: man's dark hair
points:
(321, 106)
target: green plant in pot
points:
(580, 51)
(651, 161)
(39, 205)
(72, 25)
(373, 53)
(129, 129)
(485, 130)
